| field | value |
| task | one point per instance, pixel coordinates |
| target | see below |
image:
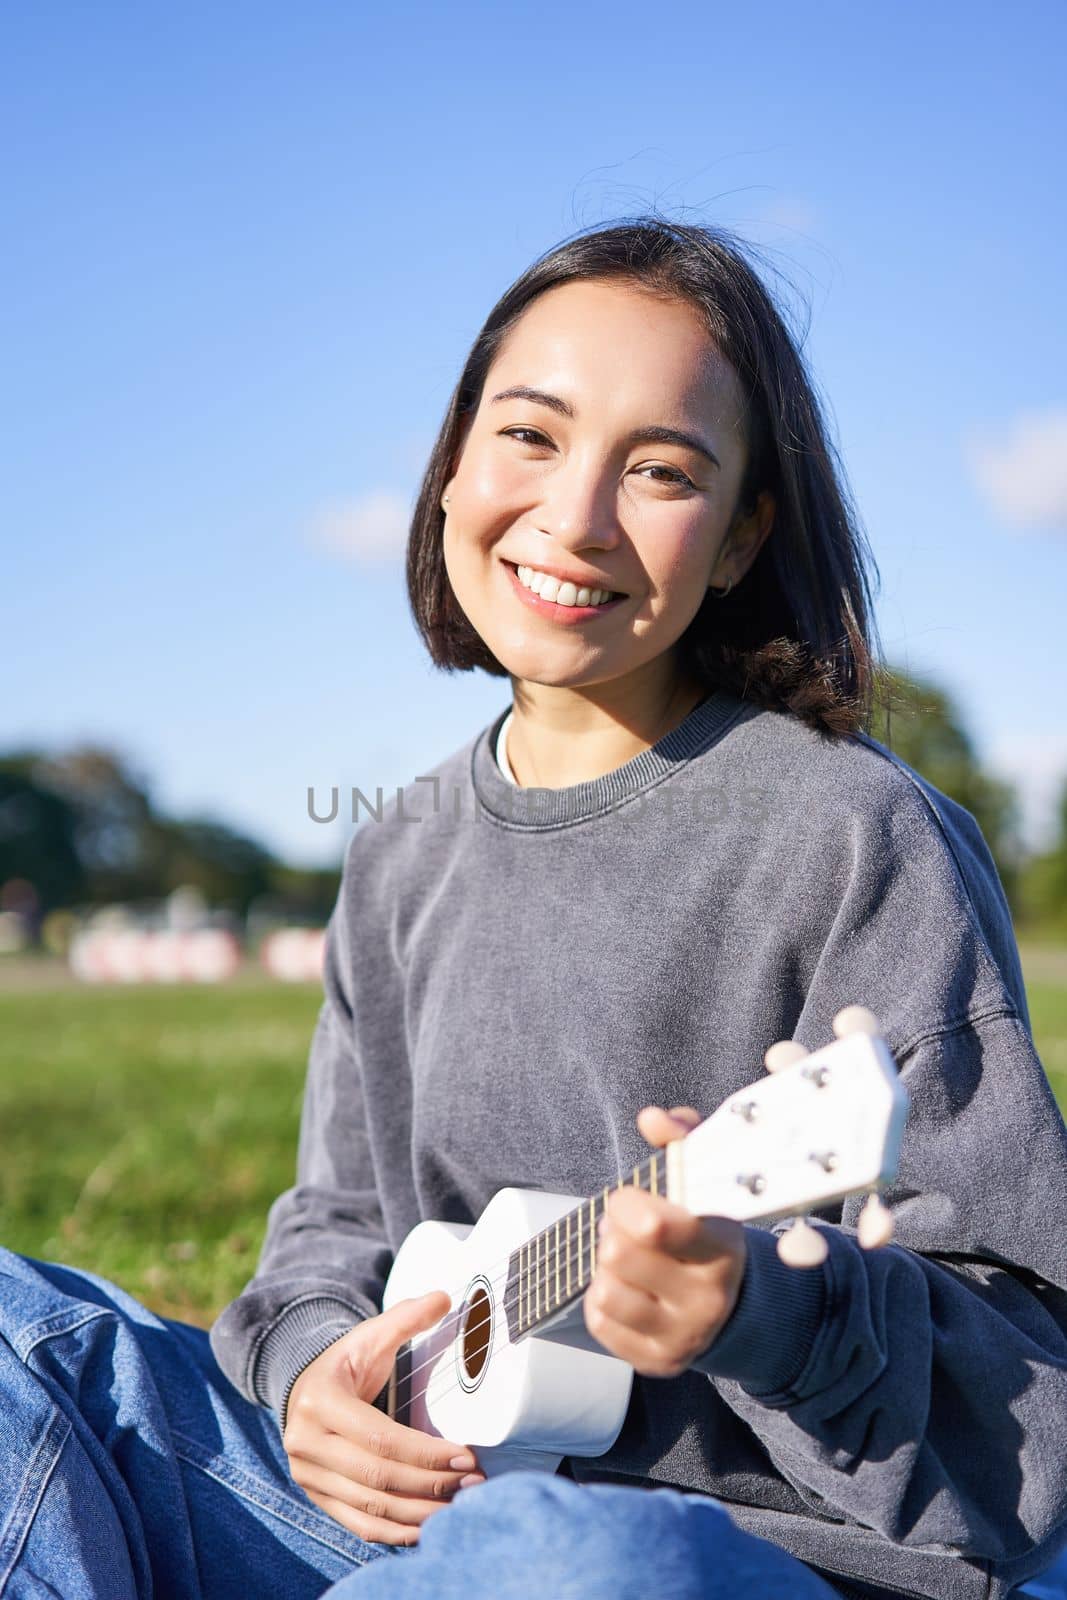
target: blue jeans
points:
(131, 1467)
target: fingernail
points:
(470, 1479)
(462, 1463)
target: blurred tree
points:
(301, 894)
(113, 810)
(920, 723)
(79, 825)
(227, 867)
(38, 834)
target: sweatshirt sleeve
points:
(921, 1389)
(325, 1257)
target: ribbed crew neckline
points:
(534, 808)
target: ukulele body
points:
(522, 1404)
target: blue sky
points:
(247, 249)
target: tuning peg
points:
(855, 1019)
(802, 1245)
(875, 1224)
(783, 1054)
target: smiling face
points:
(618, 468)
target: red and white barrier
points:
(154, 955)
(295, 955)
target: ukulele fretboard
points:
(557, 1265)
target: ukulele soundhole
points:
(477, 1335)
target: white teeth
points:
(564, 594)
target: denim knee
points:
(530, 1532)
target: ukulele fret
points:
(522, 1319)
(556, 1266)
(537, 1278)
(568, 1255)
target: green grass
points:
(146, 1131)
(1048, 1017)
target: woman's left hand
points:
(665, 1281)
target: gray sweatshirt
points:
(511, 973)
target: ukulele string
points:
(498, 1275)
(560, 1262)
(558, 1258)
(456, 1313)
(446, 1384)
(500, 1272)
(484, 1319)
(554, 1255)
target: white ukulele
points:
(511, 1369)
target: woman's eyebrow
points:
(653, 433)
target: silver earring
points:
(720, 594)
(444, 502)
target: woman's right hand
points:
(377, 1477)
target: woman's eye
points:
(535, 437)
(673, 475)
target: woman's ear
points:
(466, 423)
(743, 542)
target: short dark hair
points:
(797, 633)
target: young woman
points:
(674, 847)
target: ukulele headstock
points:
(819, 1127)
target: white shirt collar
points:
(501, 750)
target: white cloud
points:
(1036, 763)
(1024, 473)
(371, 528)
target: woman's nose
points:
(579, 508)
